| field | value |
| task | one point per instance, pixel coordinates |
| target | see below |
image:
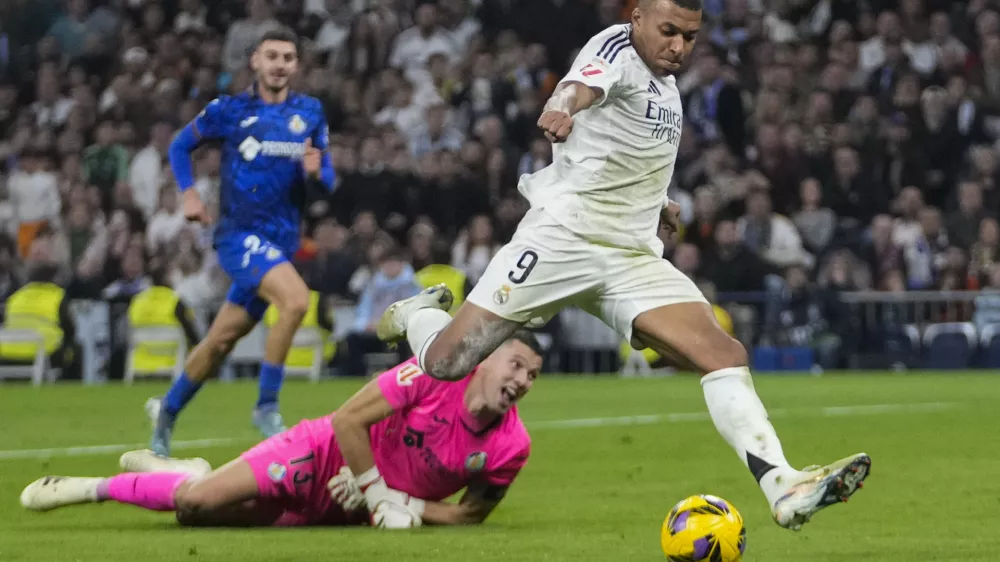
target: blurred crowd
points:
(831, 145)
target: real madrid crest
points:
(502, 295)
(475, 462)
(296, 125)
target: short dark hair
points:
(526, 337)
(282, 34)
(693, 5)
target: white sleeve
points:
(600, 62)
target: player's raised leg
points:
(689, 330)
(446, 348)
(286, 291)
(230, 324)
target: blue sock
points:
(180, 393)
(270, 383)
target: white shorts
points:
(547, 267)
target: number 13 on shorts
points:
(302, 469)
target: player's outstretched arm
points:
(475, 506)
(569, 99)
(572, 98)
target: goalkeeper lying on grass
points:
(388, 456)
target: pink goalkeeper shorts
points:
(292, 470)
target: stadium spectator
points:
(731, 267)
(908, 205)
(769, 235)
(474, 248)
(816, 224)
(687, 259)
(166, 223)
(330, 270)
(963, 224)
(149, 166)
(985, 251)
(413, 46)
(243, 34)
(715, 107)
(393, 281)
(812, 318)
(924, 256)
(435, 135)
(34, 195)
(880, 251)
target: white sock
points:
(422, 327)
(740, 417)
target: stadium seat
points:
(989, 347)
(950, 345)
(901, 346)
(39, 370)
(162, 335)
(309, 337)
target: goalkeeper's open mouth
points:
(509, 397)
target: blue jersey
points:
(263, 182)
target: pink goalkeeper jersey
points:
(432, 447)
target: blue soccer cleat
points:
(163, 426)
(268, 420)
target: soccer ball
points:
(703, 528)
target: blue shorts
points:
(246, 258)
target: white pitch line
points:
(117, 448)
(834, 411)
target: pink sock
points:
(150, 490)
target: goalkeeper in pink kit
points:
(387, 457)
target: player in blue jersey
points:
(273, 150)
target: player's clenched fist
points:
(670, 217)
(556, 124)
(312, 159)
(388, 515)
(389, 508)
(194, 209)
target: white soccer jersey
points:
(608, 181)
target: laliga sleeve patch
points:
(276, 471)
(406, 374)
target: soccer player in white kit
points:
(590, 240)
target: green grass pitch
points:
(594, 490)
